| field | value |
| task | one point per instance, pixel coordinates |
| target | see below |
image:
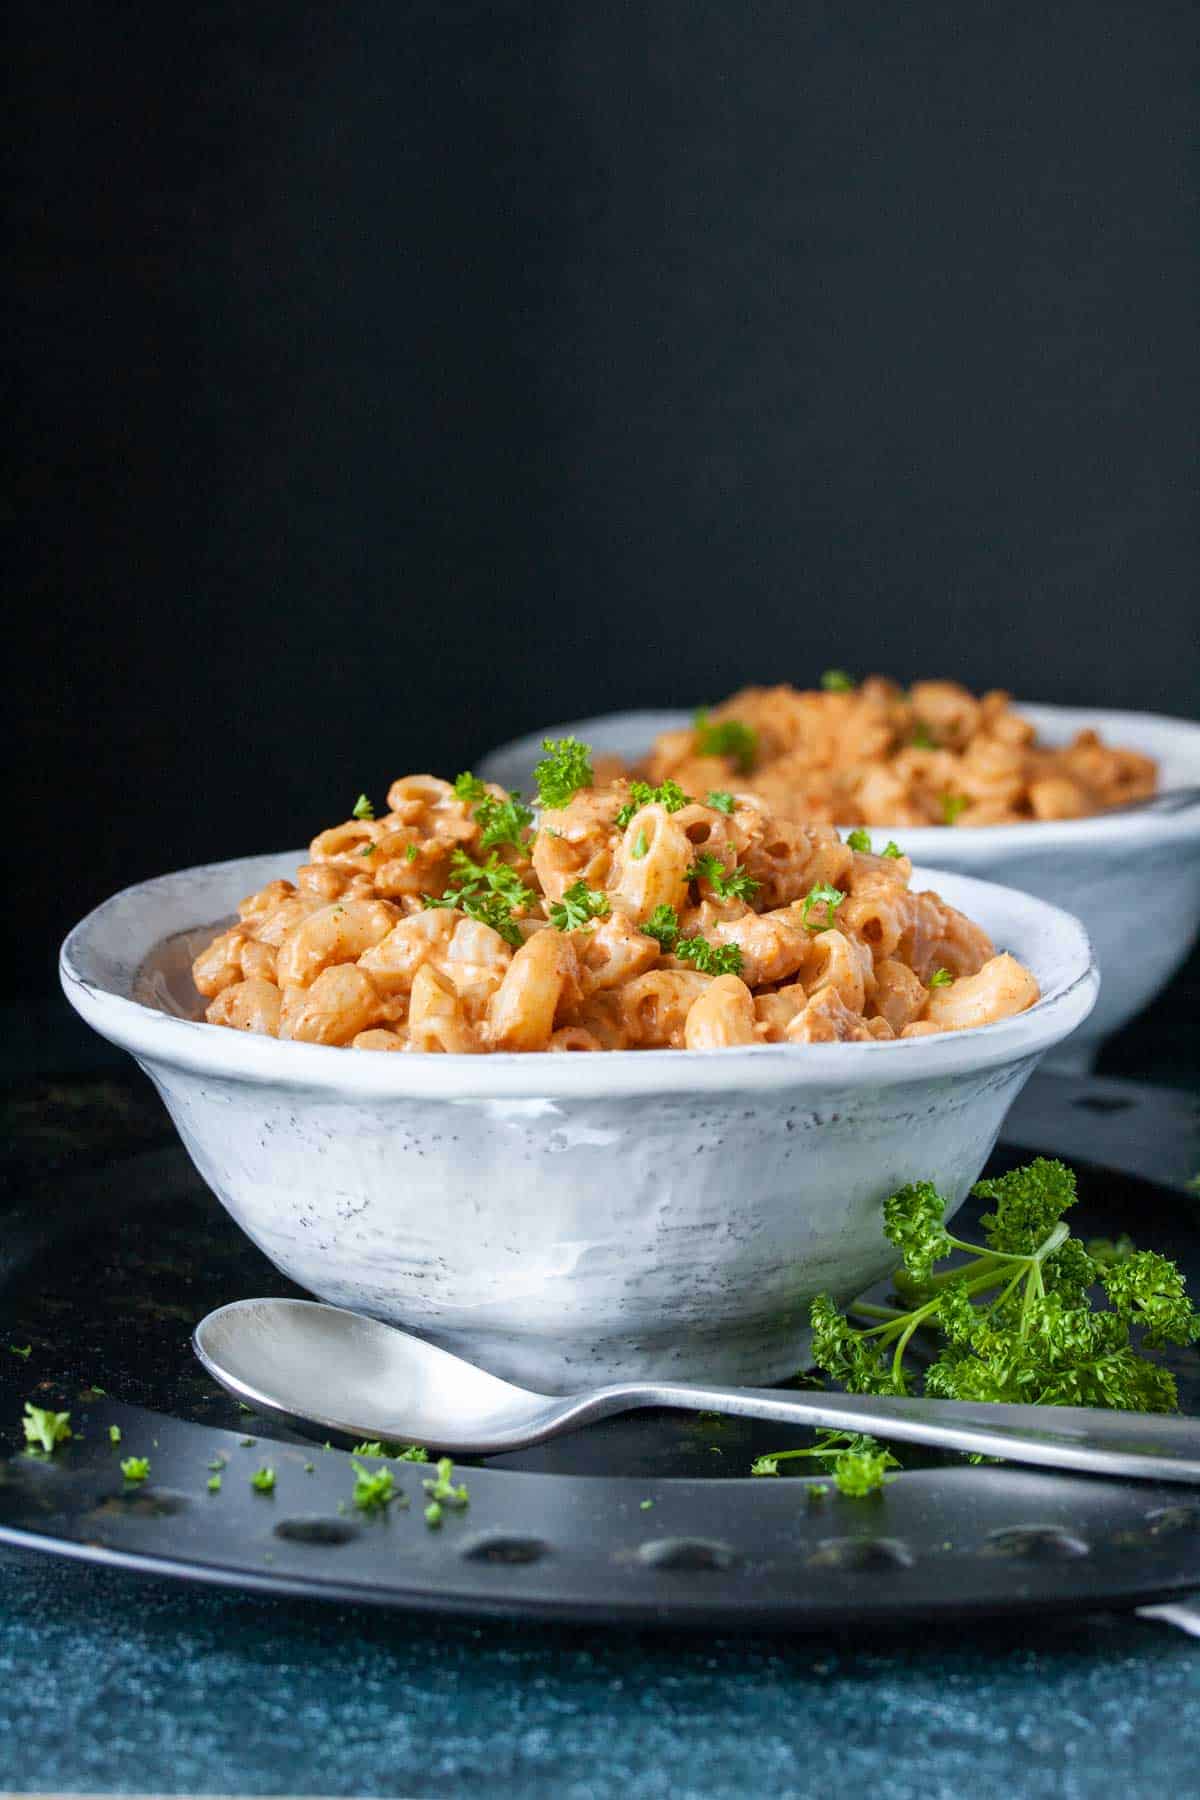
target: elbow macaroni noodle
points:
(684, 925)
(875, 754)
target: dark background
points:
(393, 378)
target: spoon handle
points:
(1151, 1446)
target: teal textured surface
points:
(108, 1684)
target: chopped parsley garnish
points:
(718, 798)
(579, 905)
(442, 1492)
(500, 821)
(727, 884)
(730, 737)
(1016, 1320)
(821, 894)
(952, 805)
(373, 1488)
(44, 1430)
(114, 1434)
(922, 737)
(21, 1350)
(503, 821)
(363, 808)
(218, 1461)
(488, 892)
(836, 681)
(892, 849)
(213, 1484)
(858, 1464)
(668, 794)
(640, 847)
(709, 959)
(859, 840)
(861, 1469)
(566, 767)
(662, 924)
(246, 1442)
(135, 1468)
(368, 849)
(941, 978)
(263, 1480)
(645, 1505)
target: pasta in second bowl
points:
(566, 1220)
(1132, 878)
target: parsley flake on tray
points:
(45, 1430)
(442, 1493)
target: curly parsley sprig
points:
(1016, 1320)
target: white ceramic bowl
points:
(569, 1220)
(1133, 878)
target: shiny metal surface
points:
(304, 1362)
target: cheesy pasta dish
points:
(873, 753)
(623, 916)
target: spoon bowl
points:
(309, 1364)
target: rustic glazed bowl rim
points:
(1157, 734)
(102, 955)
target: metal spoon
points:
(306, 1363)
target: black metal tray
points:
(652, 1517)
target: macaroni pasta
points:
(875, 754)
(624, 918)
